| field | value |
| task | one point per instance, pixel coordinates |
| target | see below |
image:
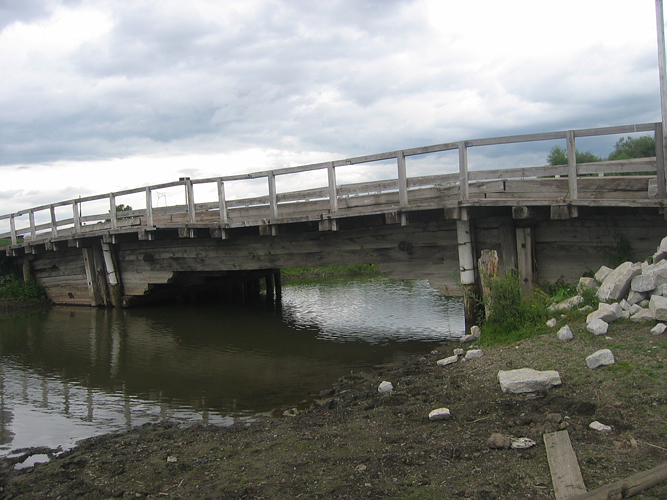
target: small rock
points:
(659, 329)
(661, 251)
(597, 327)
(634, 309)
(171, 459)
(473, 353)
(552, 323)
(523, 443)
(625, 305)
(643, 315)
(499, 442)
(475, 330)
(587, 284)
(658, 306)
(603, 357)
(606, 312)
(459, 352)
(440, 414)
(597, 426)
(565, 333)
(467, 338)
(617, 283)
(448, 361)
(556, 418)
(385, 387)
(567, 304)
(635, 297)
(292, 412)
(602, 273)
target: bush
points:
(513, 316)
(14, 288)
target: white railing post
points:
(333, 189)
(12, 229)
(222, 202)
(149, 207)
(190, 198)
(463, 170)
(76, 214)
(572, 172)
(273, 197)
(54, 223)
(33, 230)
(402, 180)
(112, 211)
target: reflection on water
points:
(71, 373)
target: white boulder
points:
(598, 327)
(448, 361)
(658, 306)
(603, 357)
(527, 380)
(440, 414)
(617, 283)
(385, 387)
(659, 329)
(565, 333)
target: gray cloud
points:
(342, 76)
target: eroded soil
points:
(356, 443)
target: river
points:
(72, 373)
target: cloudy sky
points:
(101, 95)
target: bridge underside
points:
(130, 270)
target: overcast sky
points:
(102, 95)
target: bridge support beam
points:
(525, 249)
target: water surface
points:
(71, 373)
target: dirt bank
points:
(360, 444)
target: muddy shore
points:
(357, 443)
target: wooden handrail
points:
(332, 191)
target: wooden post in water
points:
(268, 279)
(279, 285)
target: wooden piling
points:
(112, 275)
(278, 283)
(268, 280)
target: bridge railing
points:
(66, 219)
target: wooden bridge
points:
(546, 221)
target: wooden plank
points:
(565, 473)
(629, 487)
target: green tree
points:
(558, 156)
(633, 147)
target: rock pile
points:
(635, 291)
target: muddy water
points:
(72, 373)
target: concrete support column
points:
(466, 265)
